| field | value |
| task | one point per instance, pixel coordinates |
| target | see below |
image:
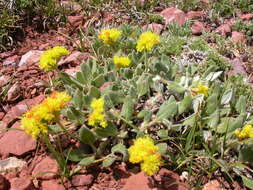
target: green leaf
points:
(248, 182)
(162, 148)
(94, 92)
(246, 152)
(87, 161)
(176, 88)
(87, 136)
(109, 161)
(197, 102)
(227, 96)
(241, 104)
(120, 148)
(110, 130)
(237, 123)
(74, 155)
(86, 72)
(71, 80)
(167, 110)
(99, 80)
(128, 108)
(214, 119)
(190, 121)
(163, 133)
(212, 103)
(143, 85)
(213, 75)
(185, 105)
(78, 99)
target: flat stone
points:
(30, 57)
(212, 185)
(198, 28)
(237, 37)
(173, 15)
(21, 183)
(82, 180)
(4, 79)
(75, 57)
(46, 165)
(11, 164)
(224, 29)
(51, 185)
(75, 21)
(155, 27)
(16, 142)
(11, 61)
(14, 92)
(237, 66)
(195, 14)
(138, 181)
(247, 16)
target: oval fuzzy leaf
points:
(162, 148)
(74, 155)
(109, 161)
(86, 135)
(87, 161)
(128, 108)
(120, 148)
(185, 104)
(110, 130)
(167, 110)
(227, 96)
(248, 182)
(241, 104)
(176, 88)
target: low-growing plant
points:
(131, 103)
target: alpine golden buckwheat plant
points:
(163, 111)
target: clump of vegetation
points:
(153, 114)
(199, 44)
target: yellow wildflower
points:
(33, 127)
(246, 132)
(109, 36)
(121, 61)
(145, 152)
(151, 164)
(35, 121)
(97, 116)
(49, 59)
(200, 89)
(147, 41)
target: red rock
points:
(107, 17)
(105, 85)
(16, 142)
(237, 37)
(155, 27)
(75, 21)
(138, 181)
(167, 178)
(198, 28)
(173, 15)
(4, 184)
(82, 180)
(14, 92)
(212, 185)
(13, 60)
(72, 71)
(46, 165)
(51, 185)
(237, 66)
(2, 114)
(30, 58)
(223, 29)
(76, 57)
(195, 14)
(4, 79)
(23, 183)
(247, 16)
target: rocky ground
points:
(23, 85)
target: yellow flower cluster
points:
(109, 36)
(49, 59)
(200, 89)
(246, 132)
(145, 152)
(35, 121)
(97, 116)
(121, 61)
(147, 41)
